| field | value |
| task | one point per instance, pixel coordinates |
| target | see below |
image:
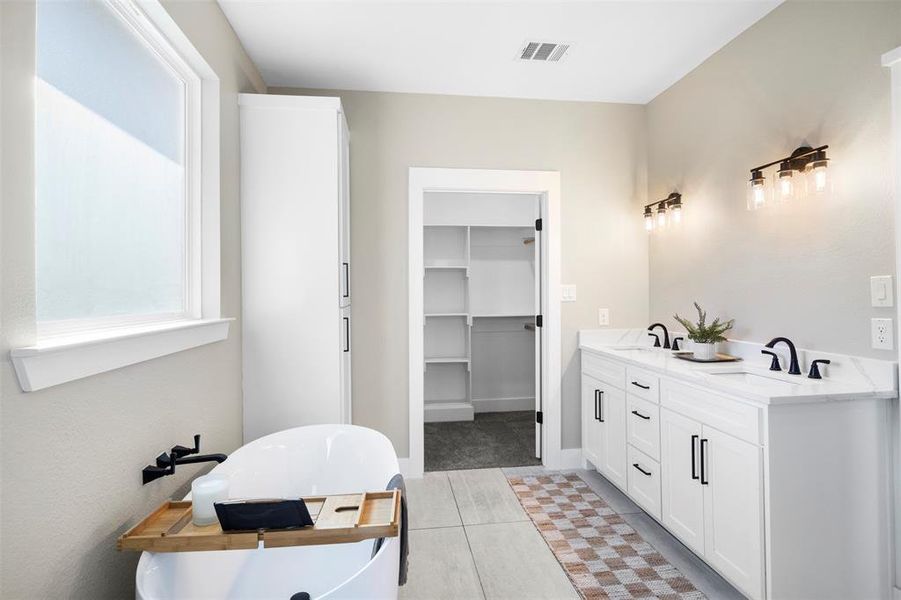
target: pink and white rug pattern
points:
(603, 556)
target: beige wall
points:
(71, 455)
(599, 151)
(807, 72)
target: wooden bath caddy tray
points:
(337, 520)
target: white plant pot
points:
(704, 351)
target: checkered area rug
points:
(603, 556)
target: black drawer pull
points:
(640, 416)
(644, 387)
(597, 405)
(347, 334)
(694, 459)
(346, 279)
(640, 469)
(704, 480)
(601, 406)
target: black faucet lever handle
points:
(815, 367)
(180, 451)
(774, 364)
(656, 339)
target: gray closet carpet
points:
(502, 439)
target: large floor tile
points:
(441, 566)
(513, 561)
(693, 568)
(431, 502)
(484, 496)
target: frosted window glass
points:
(110, 169)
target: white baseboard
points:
(503, 404)
(570, 458)
(440, 412)
(405, 469)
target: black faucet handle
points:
(774, 364)
(656, 339)
(676, 341)
(815, 367)
(180, 451)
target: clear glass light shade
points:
(818, 179)
(784, 188)
(676, 214)
(648, 221)
(757, 193)
(661, 218)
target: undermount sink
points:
(751, 379)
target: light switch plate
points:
(882, 334)
(567, 293)
(882, 291)
(603, 316)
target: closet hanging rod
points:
(529, 326)
(528, 241)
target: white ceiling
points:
(623, 51)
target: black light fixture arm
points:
(674, 198)
(801, 153)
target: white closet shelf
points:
(446, 268)
(450, 314)
(447, 360)
(504, 316)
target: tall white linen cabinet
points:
(295, 230)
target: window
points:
(117, 198)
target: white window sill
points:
(63, 359)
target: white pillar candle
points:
(204, 492)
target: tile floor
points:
(470, 538)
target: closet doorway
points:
(481, 321)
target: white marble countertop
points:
(847, 378)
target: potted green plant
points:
(705, 336)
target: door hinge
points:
(539, 417)
(538, 224)
(539, 321)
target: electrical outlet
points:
(603, 316)
(882, 334)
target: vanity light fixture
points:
(672, 204)
(805, 163)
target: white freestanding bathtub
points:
(319, 459)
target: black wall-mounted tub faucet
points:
(793, 367)
(665, 335)
(178, 455)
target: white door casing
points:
(546, 184)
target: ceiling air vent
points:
(543, 51)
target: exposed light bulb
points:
(676, 216)
(756, 191)
(785, 186)
(820, 179)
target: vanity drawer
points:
(644, 482)
(644, 384)
(608, 371)
(721, 412)
(643, 426)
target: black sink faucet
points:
(793, 368)
(665, 335)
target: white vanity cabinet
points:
(761, 491)
(604, 427)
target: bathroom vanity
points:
(768, 477)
